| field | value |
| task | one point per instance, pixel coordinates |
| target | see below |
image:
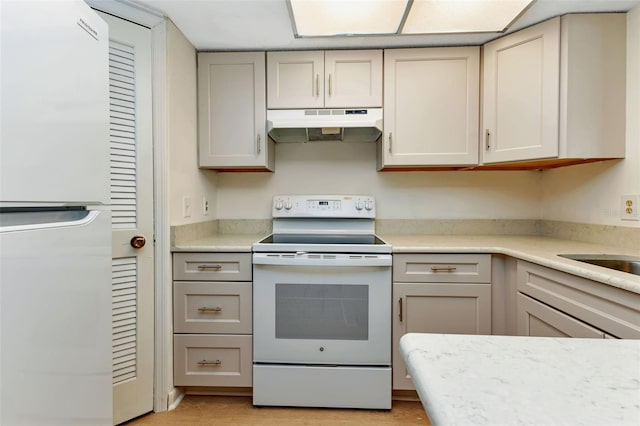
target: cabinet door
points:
(353, 78)
(232, 111)
(295, 79)
(521, 94)
(431, 101)
(437, 308)
(212, 307)
(211, 360)
(539, 320)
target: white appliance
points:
(330, 124)
(322, 306)
(55, 220)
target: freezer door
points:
(55, 104)
(55, 319)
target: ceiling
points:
(265, 25)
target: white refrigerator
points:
(55, 219)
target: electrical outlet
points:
(186, 206)
(205, 206)
(630, 207)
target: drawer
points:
(442, 268)
(212, 307)
(212, 266)
(614, 310)
(202, 360)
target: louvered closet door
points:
(132, 207)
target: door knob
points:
(138, 241)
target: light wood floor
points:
(237, 410)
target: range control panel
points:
(336, 206)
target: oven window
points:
(322, 311)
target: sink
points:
(630, 264)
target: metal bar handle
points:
(390, 141)
(204, 362)
(259, 143)
(446, 269)
(487, 140)
(400, 313)
(209, 267)
(329, 84)
(204, 309)
(317, 84)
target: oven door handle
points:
(309, 259)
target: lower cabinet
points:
(551, 303)
(452, 295)
(211, 360)
(539, 320)
(212, 319)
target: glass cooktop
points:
(334, 243)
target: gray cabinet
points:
(438, 293)
(539, 320)
(555, 91)
(212, 319)
(431, 107)
(324, 79)
(554, 303)
(232, 112)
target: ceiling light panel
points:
(462, 16)
(317, 18)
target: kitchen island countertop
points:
(509, 380)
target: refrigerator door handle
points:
(28, 221)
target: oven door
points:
(326, 309)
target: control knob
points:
(359, 205)
(287, 205)
(278, 205)
(368, 205)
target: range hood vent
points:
(307, 125)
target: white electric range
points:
(322, 305)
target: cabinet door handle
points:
(205, 310)
(446, 269)
(400, 312)
(259, 143)
(329, 84)
(205, 363)
(209, 267)
(317, 84)
(390, 141)
(487, 142)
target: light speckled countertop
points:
(220, 242)
(507, 380)
(541, 250)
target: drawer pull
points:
(204, 309)
(209, 267)
(204, 362)
(447, 269)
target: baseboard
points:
(174, 398)
(404, 395)
(218, 391)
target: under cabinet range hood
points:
(331, 124)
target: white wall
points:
(590, 193)
(185, 179)
(344, 168)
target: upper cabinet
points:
(324, 79)
(232, 112)
(555, 92)
(431, 102)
